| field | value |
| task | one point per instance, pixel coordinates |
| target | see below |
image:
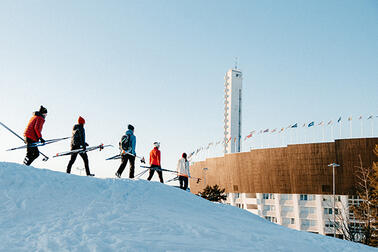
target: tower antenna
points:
(236, 62)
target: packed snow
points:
(43, 210)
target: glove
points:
(84, 147)
(142, 160)
(86, 144)
(42, 140)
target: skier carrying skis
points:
(155, 162)
(183, 171)
(127, 148)
(78, 142)
(33, 134)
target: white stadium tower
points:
(232, 111)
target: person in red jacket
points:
(33, 134)
(155, 162)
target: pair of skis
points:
(82, 150)
(119, 156)
(161, 169)
(45, 158)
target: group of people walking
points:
(127, 145)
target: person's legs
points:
(72, 161)
(84, 156)
(152, 171)
(123, 165)
(132, 166)
(160, 176)
(185, 183)
(181, 180)
(31, 152)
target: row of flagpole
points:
(202, 153)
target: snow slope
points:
(43, 210)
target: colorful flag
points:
(234, 139)
(321, 123)
(294, 125)
(311, 124)
(329, 123)
(228, 140)
(370, 117)
(339, 120)
(282, 129)
(267, 130)
(274, 130)
(360, 117)
(349, 118)
(304, 125)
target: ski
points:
(119, 156)
(45, 158)
(39, 144)
(78, 151)
(158, 169)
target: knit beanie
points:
(81, 120)
(42, 110)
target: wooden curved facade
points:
(299, 169)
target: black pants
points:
(183, 182)
(84, 156)
(152, 171)
(31, 152)
(122, 167)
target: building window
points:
(271, 219)
(306, 197)
(287, 221)
(329, 211)
(268, 196)
(308, 223)
(269, 208)
(287, 208)
(286, 197)
(308, 210)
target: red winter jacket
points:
(34, 128)
(155, 157)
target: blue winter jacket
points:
(132, 140)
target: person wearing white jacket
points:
(183, 171)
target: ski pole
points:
(14, 133)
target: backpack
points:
(77, 136)
(125, 143)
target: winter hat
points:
(81, 120)
(184, 155)
(130, 127)
(157, 144)
(42, 110)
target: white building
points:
(232, 111)
(305, 212)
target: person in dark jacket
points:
(155, 162)
(78, 142)
(33, 134)
(127, 148)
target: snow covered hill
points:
(43, 210)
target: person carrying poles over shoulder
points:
(155, 162)
(78, 142)
(33, 134)
(183, 171)
(127, 148)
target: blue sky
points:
(159, 65)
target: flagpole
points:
(340, 130)
(350, 128)
(323, 131)
(333, 139)
(362, 128)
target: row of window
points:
(329, 211)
